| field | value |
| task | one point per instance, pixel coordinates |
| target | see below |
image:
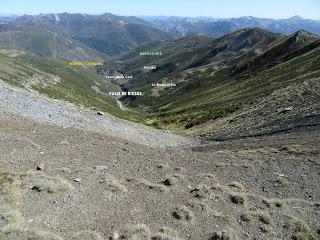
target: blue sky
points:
(213, 8)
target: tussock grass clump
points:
(249, 165)
(274, 202)
(266, 228)
(209, 176)
(199, 205)
(283, 182)
(114, 184)
(166, 234)
(201, 192)
(183, 213)
(278, 204)
(6, 179)
(10, 219)
(247, 217)
(222, 235)
(237, 198)
(154, 185)
(264, 217)
(138, 232)
(13, 227)
(220, 188)
(172, 179)
(43, 183)
(10, 186)
(237, 185)
(301, 230)
(223, 216)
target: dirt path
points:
(123, 108)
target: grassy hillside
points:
(47, 44)
(57, 79)
(286, 108)
(208, 85)
(284, 50)
(224, 95)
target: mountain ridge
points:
(107, 33)
(209, 74)
(217, 27)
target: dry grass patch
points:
(301, 230)
(299, 149)
(114, 184)
(207, 175)
(283, 182)
(183, 213)
(199, 205)
(222, 216)
(13, 227)
(222, 235)
(201, 192)
(247, 217)
(249, 165)
(166, 234)
(266, 228)
(43, 183)
(153, 185)
(237, 185)
(220, 188)
(238, 198)
(138, 232)
(10, 219)
(10, 186)
(172, 179)
(275, 202)
(263, 216)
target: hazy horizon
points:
(146, 16)
(285, 9)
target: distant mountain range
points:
(87, 37)
(6, 18)
(187, 26)
(78, 36)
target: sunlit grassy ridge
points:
(216, 77)
(57, 79)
